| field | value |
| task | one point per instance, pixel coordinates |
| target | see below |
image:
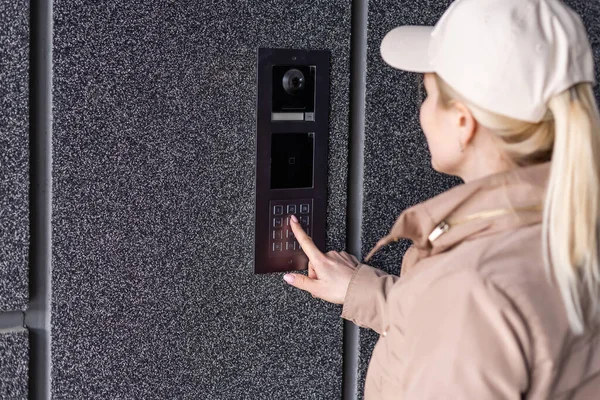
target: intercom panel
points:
(291, 155)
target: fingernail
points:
(294, 218)
(288, 278)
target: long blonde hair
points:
(569, 136)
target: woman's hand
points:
(328, 274)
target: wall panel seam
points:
(38, 313)
(358, 67)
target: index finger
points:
(309, 247)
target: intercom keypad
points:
(282, 240)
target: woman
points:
(498, 295)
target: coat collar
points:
(497, 202)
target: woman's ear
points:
(466, 123)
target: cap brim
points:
(407, 48)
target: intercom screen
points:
(292, 160)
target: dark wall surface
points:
(14, 154)
(14, 358)
(14, 200)
(154, 294)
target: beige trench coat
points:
(473, 314)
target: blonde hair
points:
(569, 136)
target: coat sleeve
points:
(465, 339)
(366, 297)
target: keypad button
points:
(289, 234)
(290, 245)
(278, 210)
(277, 235)
(304, 220)
(291, 209)
(304, 208)
(277, 246)
(277, 222)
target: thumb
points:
(301, 282)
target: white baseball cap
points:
(507, 56)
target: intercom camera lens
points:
(293, 81)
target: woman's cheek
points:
(432, 135)
(427, 124)
(423, 118)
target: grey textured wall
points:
(14, 351)
(14, 153)
(154, 294)
(14, 191)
